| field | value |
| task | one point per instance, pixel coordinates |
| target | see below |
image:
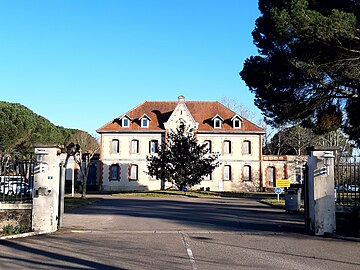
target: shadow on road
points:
(209, 214)
(49, 260)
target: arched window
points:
(114, 172)
(133, 172)
(247, 173)
(227, 147)
(247, 147)
(227, 172)
(153, 147)
(115, 146)
(134, 146)
(208, 145)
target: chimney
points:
(181, 98)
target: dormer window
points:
(145, 121)
(125, 121)
(217, 123)
(236, 120)
(217, 120)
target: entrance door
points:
(91, 181)
(271, 176)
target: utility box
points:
(292, 199)
(46, 189)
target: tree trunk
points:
(85, 176)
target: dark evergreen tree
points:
(308, 68)
(182, 160)
(21, 128)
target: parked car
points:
(353, 188)
(15, 186)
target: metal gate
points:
(16, 180)
(347, 182)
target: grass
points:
(190, 193)
(274, 202)
(72, 202)
(163, 193)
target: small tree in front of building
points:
(83, 147)
(182, 160)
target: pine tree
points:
(182, 160)
(308, 68)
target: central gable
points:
(181, 116)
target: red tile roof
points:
(160, 111)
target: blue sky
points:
(82, 63)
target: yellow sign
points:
(283, 183)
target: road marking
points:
(185, 240)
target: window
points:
(237, 123)
(114, 146)
(114, 172)
(153, 146)
(247, 173)
(208, 145)
(133, 172)
(247, 147)
(144, 122)
(134, 146)
(227, 172)
(227, 147)
(125, 122)
(207, 177)
(217, 123)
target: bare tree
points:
(234, 105)
(83, 147)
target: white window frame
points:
(144, 122)
(134, 172)
(134, 146)
(227, 173)
(237, 123)
(217, 123)
(247, 173)
(247, 147)
(124, 121)
(227, 147)
(115, 150)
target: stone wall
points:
(15, 215)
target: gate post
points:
(46, 189)
(319, 197)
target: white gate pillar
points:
(320, 211)
(46, 189)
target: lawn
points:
(72, 202)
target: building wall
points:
(286, 167)
(124, 159)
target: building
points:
(126, 141)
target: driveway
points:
(179, 233)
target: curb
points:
(22, 235)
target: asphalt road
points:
(179, 233)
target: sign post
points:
(278, 191)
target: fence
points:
(16, 180)
(347, 182)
